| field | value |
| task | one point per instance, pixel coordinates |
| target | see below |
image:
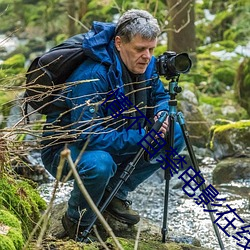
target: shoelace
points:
(127, 203)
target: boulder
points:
(231, 169)
(230, 139)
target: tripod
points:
(173, 90)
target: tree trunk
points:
(71, 6)
(181, 27)
(83, 7)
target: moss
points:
(220, 132)
(229, 45)
(219, 103)
(128, 244)
(6, 243)
(225, 75)
(21, 199)
(16, 61)
(13, 71)
(9, 219)
(13, 239)
(16, 237)
(173, 246)
(235, 125)
(214, 101)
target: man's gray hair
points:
(137, 22)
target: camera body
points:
(171, 65)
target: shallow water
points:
(185, 217)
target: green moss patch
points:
(10, 231)
(22, 200)
(231, 134)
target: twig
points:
(137, 236)
(99, 238)
(66, 154)
(77, 21)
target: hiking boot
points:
(121, 211)
(75, 231)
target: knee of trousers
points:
(98, 165)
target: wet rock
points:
(231, 169)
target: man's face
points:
(137, 53)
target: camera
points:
(171, 65)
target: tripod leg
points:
(164, 229)
(170, 143)
(181, 120)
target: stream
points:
(186, 219)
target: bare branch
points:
(66, 154)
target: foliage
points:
(228, 23)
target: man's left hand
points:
(165, 125)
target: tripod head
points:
(174, 89)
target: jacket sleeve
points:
(89, 121)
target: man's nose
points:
(146, 54)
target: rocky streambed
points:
(186, 220)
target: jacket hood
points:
(98, 43)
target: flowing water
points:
(186, 219)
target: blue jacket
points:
(88, 118)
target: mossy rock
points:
(11, 237)
(22, 200)
(230, 139)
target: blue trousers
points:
(100, 170)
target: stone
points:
(197, 125)
(231, 169)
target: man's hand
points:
(165, 126)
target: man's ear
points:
(118, 42)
